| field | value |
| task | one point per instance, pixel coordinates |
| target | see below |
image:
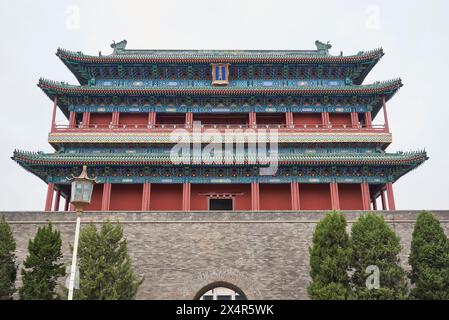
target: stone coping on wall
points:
(40, 217)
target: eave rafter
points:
(381, 159)
(78, 62)
(64, 91)
(59, 88)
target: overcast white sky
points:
(414, 35)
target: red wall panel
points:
(307, 118)
(126, 197)
(350, 195)
(199, 201)
(340, 119)
(275, 196)
(101, 119)
(166, 197)
(274, 118)
(133, 118)
(221, 118)
(315, 196)
(170, 118)
(97, 196)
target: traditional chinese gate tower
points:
(331, 146)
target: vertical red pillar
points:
(335, 199)
(384, 107)
(106, 200)
(71, 207)
(390, 196)
(289, 119)
(368, 120)
(86, 119)
(67, 203)
(382, 197)
(146, 196)
(53, 117)
(255, 201)
(151, 119)
(49, 198)
(154, 118)
(294, 189)
(57, 201)
(189, 119)
(325, 119)
(365, 196)
(115, 118)
(186, 190)
(354, 119)
(72, 119)
(252, 120)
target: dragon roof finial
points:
(119, 46)
(320, 46)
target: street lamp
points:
(82, 187)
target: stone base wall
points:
(265, 254)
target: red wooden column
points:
(57, 201)
(289, 119)
(368, 120)
(146, 196)
(115, 118)
(255, 200)
(365, 196)
(325, 119)
(72, 119)
(189, 120)
(382, 197)
(390, 196)
(252, 120)
(49, 198)
(151, 119)
(384, 107)
(106, 200)
(294, 190)
(86, 119)
(67, 203)
(53, 117)
(186, 190)
(354, 119)
(335, 199)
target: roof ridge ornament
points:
(323, 47)
(119, 46)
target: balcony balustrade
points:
(169, 127)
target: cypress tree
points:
(429, 259)
(42, 266)
(8, 268)
(104, 265)
(375, 244)
(330, 256)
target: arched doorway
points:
(220, 290)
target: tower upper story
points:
(236, 68)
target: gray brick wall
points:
(265, 254)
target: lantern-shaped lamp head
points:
(82, 187)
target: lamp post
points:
(82, 187)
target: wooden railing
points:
(170, 127)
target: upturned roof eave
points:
(387, 159)
(199, 56)
(73, 60)
(53, 88)
(64, 88)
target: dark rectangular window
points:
(220, 204)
